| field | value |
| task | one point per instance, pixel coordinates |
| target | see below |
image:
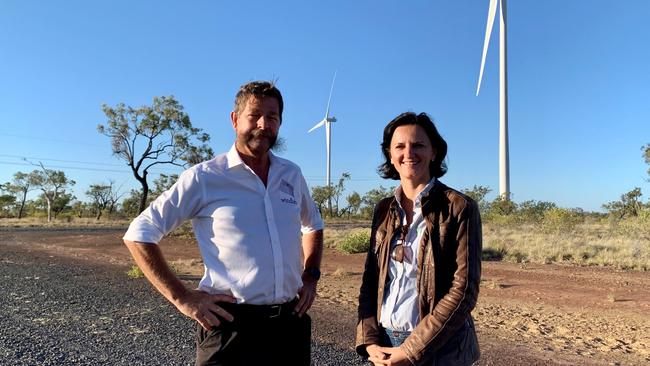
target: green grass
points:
(135, 272)
(355, 242)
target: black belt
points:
(244, 312)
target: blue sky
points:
(578, 84)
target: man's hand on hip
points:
(203, 308)
(306, 294)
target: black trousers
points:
(255, 338)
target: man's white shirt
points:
(248, 234)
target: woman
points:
(423, 268)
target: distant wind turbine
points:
(328, 132)
(504, 161)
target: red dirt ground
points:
(527, 314)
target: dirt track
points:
(526, 315)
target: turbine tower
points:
(328, 132)
(504, 160)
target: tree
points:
(62, 202)
(372, 198)
(337, 191)
(6, 201)
(503, 205)
(131, 204)
(153, 135)
(57, 205)
(101, 197)
(478, 193)
(646, 157)
(163, 183)
(20, 186)
(629, 205)
(52, 183)
(532, 210)
(354, 203)
(79, 208)
(104, 197)
(320, 195)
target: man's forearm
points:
(155, 268)
(312, 248)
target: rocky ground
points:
(67, 300)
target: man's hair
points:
(258, 89)
(437, 167)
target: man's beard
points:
(275, 143)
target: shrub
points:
(355, 242)
(135, 272)
(561, 220)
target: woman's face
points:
(410, 153)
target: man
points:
(248, 209)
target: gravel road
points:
(61, 311)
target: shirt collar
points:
(234, 159)
(418, 199)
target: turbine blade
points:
(488, 31)
(327, 112)
(319, 124)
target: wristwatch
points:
(313, 272)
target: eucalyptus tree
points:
(646, 157)
(101, 195)
(354, 203)
(22, 184)
(160, 134)
(52, 183)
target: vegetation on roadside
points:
(355, 242)
(529, 231)
(135, 272)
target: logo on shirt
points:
(286, 187)
(289, 200)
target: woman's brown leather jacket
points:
(448, 277)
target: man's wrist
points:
(313, 273)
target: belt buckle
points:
(275, 311)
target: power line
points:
(60, 160)
(47, 139)
(87, 168)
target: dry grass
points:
(333, 237)
(64, 222)
(621, 244)
(590, 243)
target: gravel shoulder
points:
(71, 311)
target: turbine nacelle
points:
(322, 122)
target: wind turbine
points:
(504, 161)
(328, 132)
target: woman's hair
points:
(437, 167)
